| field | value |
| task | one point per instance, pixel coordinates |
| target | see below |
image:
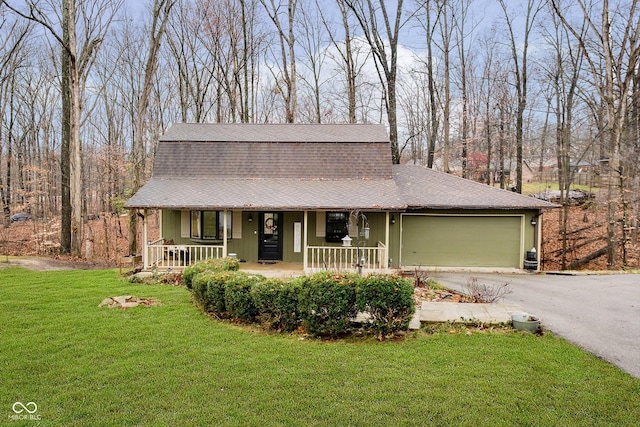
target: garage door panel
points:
(461, 241)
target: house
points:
(324, 196)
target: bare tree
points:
(77, 59)
(159, 18)
(460, 23)
(493, 93)
(350, 55)
(429, 25)
(311, 40)
(445, 47)
(614, 40)
(520, 71)
(563, 72)
(197, 58)
(384, 46)
(286, 35)
(12, 54)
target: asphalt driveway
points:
(600, 313)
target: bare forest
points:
(519, 94)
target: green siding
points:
(171, 227)
(461, 241)
(490, 239)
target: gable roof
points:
(301, 167)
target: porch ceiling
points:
(267, 194)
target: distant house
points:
(303, 193)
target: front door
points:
(270, 236)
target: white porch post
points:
(224, 234)
(145, 240)
(386, 241)
(305, 254)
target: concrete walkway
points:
(489, 314)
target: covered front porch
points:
(301, 234)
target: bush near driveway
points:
(389, 301)
(328, 303)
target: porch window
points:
(337, 226)
(209, 225)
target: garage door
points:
(461, 241)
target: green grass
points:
(172, 365)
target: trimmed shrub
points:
(224, 264)
(328, 303)
(237, 296)
(277, 303)
(208, 289)
(218, 264)
(389, 301)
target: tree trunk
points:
(161, 11)
(65, 158)
(74, 134)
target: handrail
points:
(347, 258)
(180, 256)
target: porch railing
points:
(348, 258)
(179, 256)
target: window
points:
(209, 225)
(337, 226)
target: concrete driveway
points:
(600, 313)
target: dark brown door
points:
(270, 236)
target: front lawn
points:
(172, 365)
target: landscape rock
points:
(127, 301)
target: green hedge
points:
(218, 264)
(209, 290)
(237, 296)
(389, 301)
(325, 304)
(328, 303)
(277, 303)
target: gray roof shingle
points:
(297, 167)
(274, 151)
(293, 132)
(271, 194)
(427, 188)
